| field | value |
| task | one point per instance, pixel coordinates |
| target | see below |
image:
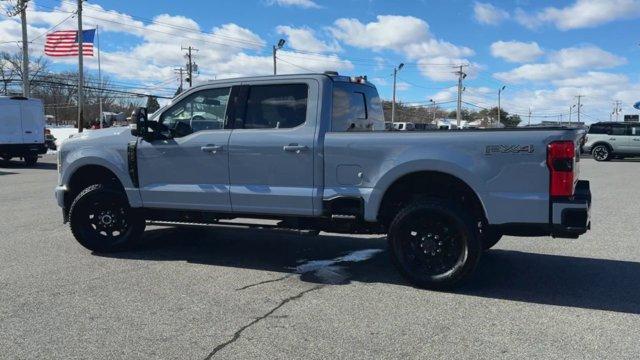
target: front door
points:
(189, 169)
(271, 149)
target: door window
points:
(619, 130)
(276, 106)
(635, 130)
(202, 110)
(356, 107)
(599, 129)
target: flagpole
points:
(80, 70)
(99, 74)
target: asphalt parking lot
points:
(255, 294)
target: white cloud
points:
(593, 79)
(488, 14)
(228, 50)
(563, 64)
(305, 4)
(407, 35)
(516, 51)
(388, 32)
(304, 39)
(402, 86)
(582, 14)
(586, 57)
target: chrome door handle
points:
(295, 148)
(211, 148)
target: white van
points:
(22, 124)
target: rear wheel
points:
(601, 153)
(102, 221)
(30, 159)
(434, 243)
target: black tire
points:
(102, 221)
(601, 152)
(30, 159)
(434, 243)
(490, 238)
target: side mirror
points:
(139, 118)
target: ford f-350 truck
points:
(311, 152)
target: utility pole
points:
(570, 111)
(393, 101)
(80, 70)
(277, 47)
(529, 116)
(26, 87)
(180, 71)
(579, 106)
(500, 92)
(21, 8)
(191, 65)
(617, 109)
(461, 75)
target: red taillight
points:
(561, 157)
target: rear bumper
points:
(19, 150)
(571, 218)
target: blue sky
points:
(545, 52)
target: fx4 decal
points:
(508, 149)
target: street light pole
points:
(433, 107)
(393, 100)
(275, 50)
(499, 93)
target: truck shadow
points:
(587, 283)
(17, 164)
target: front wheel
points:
(601, 153)
(434, 243)
(102, 221)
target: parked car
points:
(311, 151)
(22, 123)
(607, 140)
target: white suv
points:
(607, 140)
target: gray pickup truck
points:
(310, 151)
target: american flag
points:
(65, 43)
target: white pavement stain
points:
(330, 271)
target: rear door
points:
(634, 138)
(32, 121)
(271, 149)
(10, 122)
(618, 138)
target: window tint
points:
(599, 129)
(619, 130)
(635, 130)
(356, 107)
(276, 106)
(203, 110)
